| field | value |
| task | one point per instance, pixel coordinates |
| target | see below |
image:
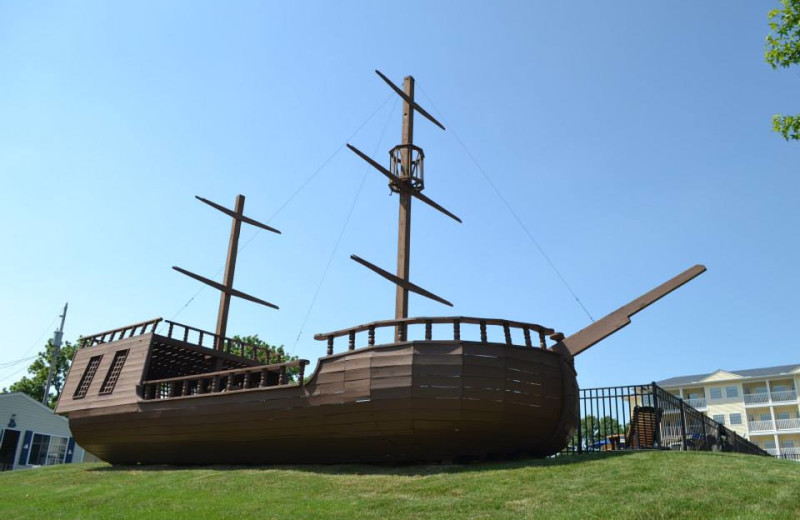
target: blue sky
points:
(632, 139)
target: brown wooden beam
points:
(228, 290)
(400, 282)
(410, 99)
(401, 186)
(246, 220)
(601, 329)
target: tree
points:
(33, 383)
(783, 50)
(277, 354)
(594, 431)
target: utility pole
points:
(57, 335)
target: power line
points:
(511, 210)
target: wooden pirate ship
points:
(159, 392)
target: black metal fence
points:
(649, 417)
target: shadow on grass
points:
(386, 469)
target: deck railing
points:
(402, 327)
(204, 338)
(760, 426)
(787, 424)
(116, 334)
(698, 402)
(756, 398)
(788, 395)
(224, 381)
(187, 334)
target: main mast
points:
(406, 178)
(404, 216)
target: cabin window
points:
(716, 393)
(113, 373)
(736, 418)
(47, 450)
(731, 391)
(720, 418)
(86, 378)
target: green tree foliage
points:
(594, 430)
(783, 50)
(277, 354)
(33, 383)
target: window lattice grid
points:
(113, 373)
(86, 378)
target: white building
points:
(760, 404)
(32, 435)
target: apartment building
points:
(760, 404)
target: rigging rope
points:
(509, 208)
(344, 227)
(291, 197)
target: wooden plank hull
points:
(404, 402)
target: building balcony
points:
(758, 398)
(772, 451)
(787, 424)
(789, 395)
(761, 426)
(790, 451)
(697, 403)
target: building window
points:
(779, 388)
(765, 417)
(787, 444)
(113, 373)
(720, 418)
(736, 418)
(716, 393)
(47, 450)
(782, 415)
(86, 378)
(731, 391)
(769, 445)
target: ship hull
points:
(417, 401)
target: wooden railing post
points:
(428, 330)
(352, 343)
(527, 332)
(507, 332)
(330, 345)
(371, 336)
(301, 375)
(542, 342)
(456, 330)
(483, 331)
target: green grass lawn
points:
(646, 485)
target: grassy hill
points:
(646, 485)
